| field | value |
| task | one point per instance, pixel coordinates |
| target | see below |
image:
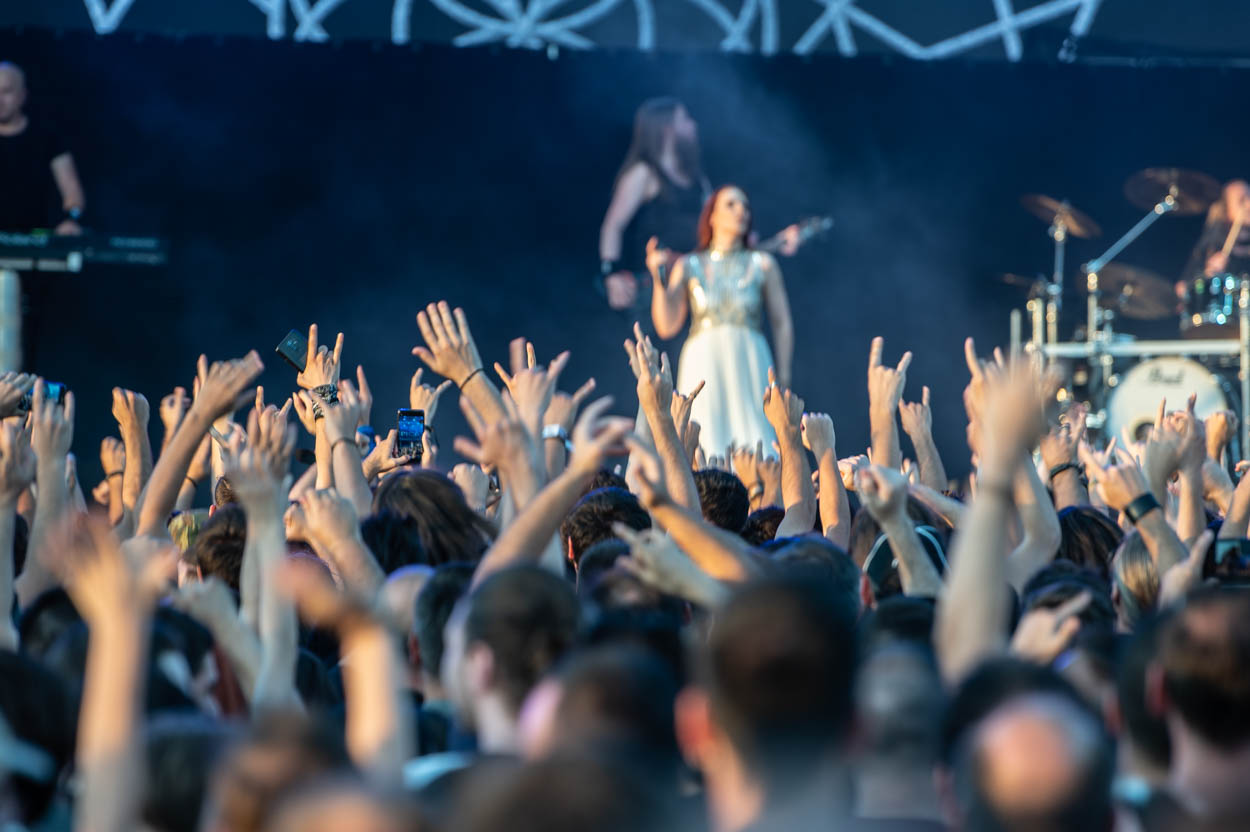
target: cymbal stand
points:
(1096, 334)
(1054, 290)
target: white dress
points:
(726, 348)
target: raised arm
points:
(885, 391)
(669, 302)
(884, 494)
(784, 411)
(917, 419)
(17, 472)
(777, 303)
(52, 434)
(339, 422)
(655, 397)
(451, 352)
(131, 411)
(1061, 457)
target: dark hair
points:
(813, 557)
(703, 231)
(182, 750)
(867, 536)
(1062, 580)
(617, 703)
(899, 701)
(45, 620)
(761, 525)
(723, 499)
(657, 630)
(21, 539)
(223, 493)
(1204, 649)
(596, 561)
(1148, 732)
(1133, 572)
(779, 668)
(1088, 538)
(899, 618)
(39, 710)
(528, 618)
(218, 549)
(653, 117)
(433, 607)
(606, 478)
(448, 529)
(591, 519)
(394, 539)
(993, 683)
(1085, 802)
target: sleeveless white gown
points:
(726, 348)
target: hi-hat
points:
(1192, 190)
(1136, 293)
(1051, 210)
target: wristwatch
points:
(558, 432)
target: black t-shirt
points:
(27, 190)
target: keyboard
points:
(44, 252)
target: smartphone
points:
(409, 430)
(294, 350)
(1228, 561)
(54, 390)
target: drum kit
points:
(1122, 379)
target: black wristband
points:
(1059, 469)
(1140, 507)
(469, 378)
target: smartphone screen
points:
(409, 429)
(55, 390)
(1228, 561)
(294, 350)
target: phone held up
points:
(409, 433)
(1228, 561)
(294, 350)
(53, 390)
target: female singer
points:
(725, 286)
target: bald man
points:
(1039, 763)
(35, 167)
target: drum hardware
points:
(1192, 191)
(1064, 220)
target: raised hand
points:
(916, 417)
(1186, 575)
(449, 347)
(745, 464)
(365, 394)
(1061, 445)
(304, 405)
(342, 419)
(506, 444)
(112, 456)
(328, 518)
(563, 408)
(474, 483)
(172, 410)
(1045, 633)
(782, 408)
(1221, 427)
(224, 383)
(818, 434)
(258, 471)
(1117, 484)
(130, 409)
(531, 385)
(17, 462)
(51, 425)
(885, 384)
(597, 437)
(656, 560)
(381, 459)
(209, 602)
(650, 474)
(13, 386)
(323, 364)
(883, 491)
(424, 397)
(103, 583)
(681, 407)
(655, 377)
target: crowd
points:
(595, 624)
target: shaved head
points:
(13, 71)
(12, 93)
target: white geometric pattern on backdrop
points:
(754, 27)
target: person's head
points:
(342, 802)
(596, 562)
(723, 498)
(39, 710)
(394, 539)
(591, 520)
(605, 478)
(12, 92)
(772, 692)
(501, 639)
(1236, 199)
(761, 525)
(1202, 678)
(223, 493)
(613, 702)
(447, 528)
(1059, 582)
(899, 618)
(282, 752)
(433, 607)
(870, 548)
(726, 215)
(1087, 537)
(399, 594)
(898, 710)
(661, 124)
(815, 558)
(45, 620)
(1038, 762)
(218, 549)
(1146, 732)
(1134, 581)
(182, 751)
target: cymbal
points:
(1136, 293)
(1194, 190)
(1048, 209)
(1020, 280)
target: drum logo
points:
(1159, 376)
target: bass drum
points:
(1135, 400)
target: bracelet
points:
(340, 441)
(1059, 469)
(757, 490)
(1140, 507)
(468, 378)
(114, 474)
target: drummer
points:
(1215, 253)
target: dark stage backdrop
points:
(349, 185)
